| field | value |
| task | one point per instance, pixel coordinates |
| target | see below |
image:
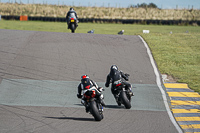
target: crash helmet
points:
(85, 78)
(113, 67)
(71, 9)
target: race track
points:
(40, 72)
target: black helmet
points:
(71, 9)
(114, 67)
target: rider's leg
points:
(77, 23)
(100, 97)
(129, 87)
(116, 96)
(84, 102)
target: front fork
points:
(100, 107)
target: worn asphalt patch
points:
(63, 94)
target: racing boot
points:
(83, 102)
(87, 109)
(131, 92)
(77, 22)
(101, 100)
(117, 99)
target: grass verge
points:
(176, 49)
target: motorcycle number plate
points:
(72, 20)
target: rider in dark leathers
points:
(116, 75)
(88, 84)
(71, 13)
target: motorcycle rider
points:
(114, 76)
(88, 84)
(72, 14)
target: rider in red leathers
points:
(88, 84)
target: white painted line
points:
(158, 81)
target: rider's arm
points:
(94, 83)
(76, 15)
(124, 76)
(79, 91)
(107, 81)
(67, 15)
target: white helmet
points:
(114, 67)
(71, 9)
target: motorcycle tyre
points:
(73, 28)
(95, 111)
(125, 100)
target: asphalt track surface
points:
(40, 72)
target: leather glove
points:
(106, 85)
(127, 74)
(101, 89)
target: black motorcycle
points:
(72, 24)
(94, 104)
(123, 96)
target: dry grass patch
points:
(99, 12)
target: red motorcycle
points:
(94, 104)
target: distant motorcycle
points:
(123, 95)
(72, 24)
(94, 105)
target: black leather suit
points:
(116, 75)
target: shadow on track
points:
(108, 106)
(72, 118)
(114, 107)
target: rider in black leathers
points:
(71, 13)
(86, 84)
(117, 75)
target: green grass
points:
(176, 54)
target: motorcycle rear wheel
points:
(125, 100)
(73, 28)
(95, 111)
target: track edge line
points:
(158, 81)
